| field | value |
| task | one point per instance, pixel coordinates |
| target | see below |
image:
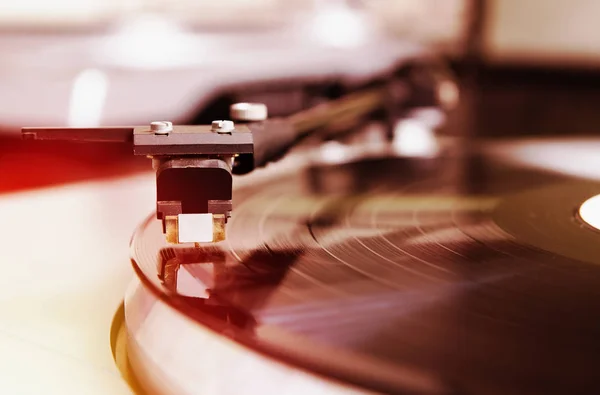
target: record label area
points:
(589, 212)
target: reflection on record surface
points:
(410, 263)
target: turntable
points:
(369, 259)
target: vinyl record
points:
(392, 275)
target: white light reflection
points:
(195, 280)
(151, 42)
(590, 211)
(87, 100)
(571, 156)
(431, 117)
(414, 138)
(339, 26)
(333, 152)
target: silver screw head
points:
(222, 126)
(161, 127)
(248, 111)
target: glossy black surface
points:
(446, 267)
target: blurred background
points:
(524, 68)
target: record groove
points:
(462, 280)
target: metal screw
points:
(248, 111)
(224, 126)
(161, 127)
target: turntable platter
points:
(389, 275)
